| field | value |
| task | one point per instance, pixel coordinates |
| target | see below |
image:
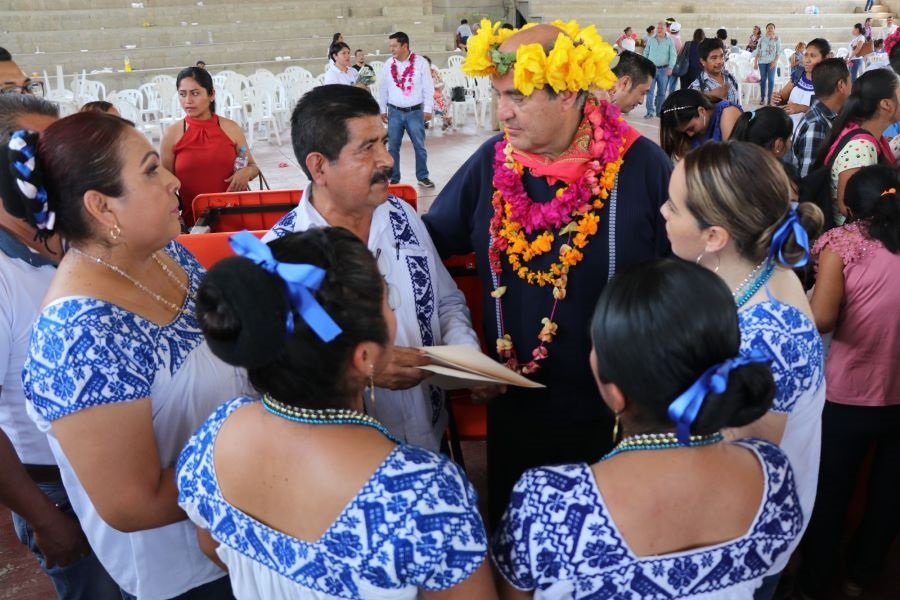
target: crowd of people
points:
(273, 431)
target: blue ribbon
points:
(301, 279)
(791, 223)
(685, 408)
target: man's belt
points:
(43, 473)
(406, 108)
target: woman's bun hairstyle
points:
(242, 310)
(748, 397)
(661, 325)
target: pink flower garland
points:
(608, 131)
(405, 81)
(607, 146)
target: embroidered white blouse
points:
(413, 525)
(558, 539)
(87, 352)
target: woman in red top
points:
(200, 149)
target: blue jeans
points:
(855, 64)
(660, 82)
(413, 122)
(869, 4)
(85, 579)
(673, 83)
(766, 82)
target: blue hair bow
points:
(685, 408)
(301, 279)
(791, 223)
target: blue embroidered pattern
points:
(285, 224)
(791, 338)
(86, 352)
(557, 532)
(413, 524)
(403, 232)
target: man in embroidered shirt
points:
(547, 132)
(339, 142)
(831, 83)
(661, 50)
(406, 99)
(30, 482)
(715, 81)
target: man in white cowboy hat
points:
(543, 268)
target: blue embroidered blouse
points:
(558, 539)
(414, 525)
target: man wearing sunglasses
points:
(13, 80)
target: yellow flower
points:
(571, 28)
(531, 68)
(498, 293)
(559, 63)
(478, 60)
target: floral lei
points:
(405, 81)
(571, 213)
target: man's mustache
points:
(381, 176)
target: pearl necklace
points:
(661, 441)
(168, 304)
(324, 416)
(757, 278)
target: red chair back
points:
(236, 211)
(210, 248)
(252, 210)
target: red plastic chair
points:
(236, 211)
(210, 248)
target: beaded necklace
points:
(324, 416)
(661, 441)
(751, 284)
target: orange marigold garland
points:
(571, 213)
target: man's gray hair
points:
(14, 106)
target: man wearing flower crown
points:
(567, 196)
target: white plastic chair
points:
(454, 61)
(260, 113)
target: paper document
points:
(463, 366)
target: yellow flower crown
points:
(578, 61)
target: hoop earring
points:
(115, 232)
(718, 261)
(615, 437)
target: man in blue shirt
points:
(661, 51)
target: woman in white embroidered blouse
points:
(701, 506)
(729, 210)
(348, 512)
(118, 374)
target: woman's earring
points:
(115, 232)
(372, 385)
(615, 437)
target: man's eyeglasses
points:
(35, 88)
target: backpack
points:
(816, 186)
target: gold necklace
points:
(168, 304)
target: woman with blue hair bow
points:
(673, 511)
(118, 374)
(301, 494)
(729, 210)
